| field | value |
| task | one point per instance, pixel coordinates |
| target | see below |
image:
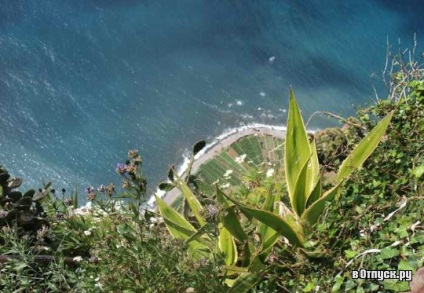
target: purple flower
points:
(101, 188)
(89, 189)
(121, 168)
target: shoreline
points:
(214, 148)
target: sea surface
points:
(83, 81)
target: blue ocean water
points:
(83, 81)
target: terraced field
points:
(227, 167)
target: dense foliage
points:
(112, 244)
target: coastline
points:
(219, 144)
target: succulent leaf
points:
(198, 147)
(165, 186)
(14, 183)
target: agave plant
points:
(306, 197)
(303, 179)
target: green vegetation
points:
(306, 198)
(250, 153)
(343, 200)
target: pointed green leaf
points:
(270, 199)
(231, 270)
(227, 246)
(46, 186)
(267, 235)
(232, 223)
(313, 174)
(165, 186)
(315, 194)
(134, 209)
(312, 213)
(220, 197)
(280, 225)
(256, 265)
(75, 200)
(364, 149)
(270, 238)
(14, 183)
(180, 228)
(171, 173)
(201, 232)
(198, 147)
(297, 147)
(248, 248)
(307, 181)
(191, 199)
(30, 193)
(300, 191)
(268, 205)
(245, 283)
(229, 218)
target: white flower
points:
(84, 209)
(240, 159)
(157, 219)
(77, 258)
(270, 172)
(228, 173)
(88, 232)
(225, 185)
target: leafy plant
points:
(200, 230)
(22, 212)
(303, 179)
(305, 195)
